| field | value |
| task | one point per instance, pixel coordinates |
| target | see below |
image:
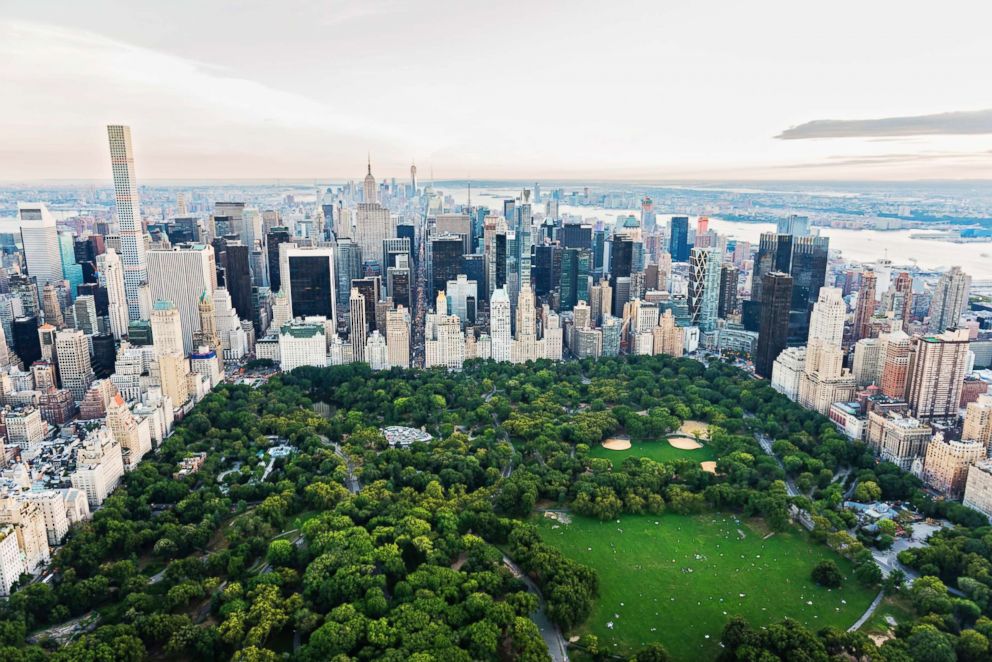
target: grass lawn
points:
(646, 589)
(659, 451)
(897, 607)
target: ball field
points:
(678, 579)
(659, 451)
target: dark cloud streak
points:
(966, 122)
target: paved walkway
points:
(557, 647)
(868, 612)
(353, 485)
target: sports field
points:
(678, 579)
(659, 451)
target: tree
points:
(928, 644)
(867, 491)
(826, 573)
(868, 573)
(894, 582)
(280, 553)
(653, 653)
(972, 646)
(887, 527)
(929, 595)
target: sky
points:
(517, 89)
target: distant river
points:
(855, 245)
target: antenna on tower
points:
(470, 194)
(370, 162)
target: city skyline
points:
(632, 91)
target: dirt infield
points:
(691, 428)
(684, 443)
(708, 467)
(616, 444)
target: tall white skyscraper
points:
(827, 321)
(499, 324)
(41, 244)
(111, 271)
(195, 263)
(128, 215)
(73, 352)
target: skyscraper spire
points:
(369, 185)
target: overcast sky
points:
(647, 89)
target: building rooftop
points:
(398, 435)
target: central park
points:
(620, 508)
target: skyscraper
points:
(773, 333)
(903, 303)
(950, 299)
(168, 336)
(575, 266)
(111, 274)
(196, 264)
(499, 324)
(71, 271)
(40, 241)
(795, 225)
(444, 255)
(494, 248)
(824, 379)
(621, 266)
(678, 242)
(827, 320)
(358, 324)
(865, 307)
(276, 236)
(728, 290)
(373, 222)
(73, 353)
(128, 215)
(237, 277)
(463, 295)
(704, 287)
(937, 370)
(398, 337)
(895, 352)
(51, 307)
(27, 346)
(309, 282)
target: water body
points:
(854, 245)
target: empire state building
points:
(373, 223)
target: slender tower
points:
(128, 215)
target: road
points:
(868, 612)
(352, 483)
(766, 445)
(557, 646)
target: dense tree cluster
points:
(254, 558)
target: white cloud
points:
(65, 85)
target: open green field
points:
(659, 451)
(678, 579)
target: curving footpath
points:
(551, 633)
(868, 612)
